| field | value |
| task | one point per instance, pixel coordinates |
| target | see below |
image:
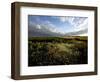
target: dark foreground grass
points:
(44, 51)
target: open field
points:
(44, 51)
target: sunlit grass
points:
(57, 51)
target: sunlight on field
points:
(57, 51)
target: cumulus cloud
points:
(75, 21)
(78, 23)
(67, 18)
(47, 28)
(42, 30)
(82, 26)
(39, 26)
(50, 26)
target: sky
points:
(58, 24)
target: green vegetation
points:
(43, 51)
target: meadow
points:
(45, 51)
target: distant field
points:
(44, 51)
(58, 39)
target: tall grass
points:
(57, 51)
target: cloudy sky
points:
(58, 24)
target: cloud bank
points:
(48, 27)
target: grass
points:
(44, 51)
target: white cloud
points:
(50, 26)
(38, 26)
(67, 19)
(48, 23)
(74, 21)
(77, 23)
(62, 19)
(82, 26)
